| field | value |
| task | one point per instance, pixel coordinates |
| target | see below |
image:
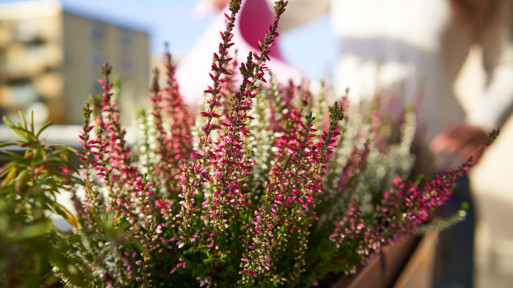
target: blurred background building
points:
(50, 59)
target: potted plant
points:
(264, 189)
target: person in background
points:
(415, 49)
(253, 20)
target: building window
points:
(96, 59)
(125, 38)
(26, 30)
(97, 31)
(67, 55)
(23, 94)
(125, 65)
(36, 51)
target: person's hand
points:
(460, 139)
(219, 4)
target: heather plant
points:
(256, 192)
(268, 187)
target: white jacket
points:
(415, 49)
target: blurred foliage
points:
(30, 180)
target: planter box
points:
(398, 265)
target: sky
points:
(172, 21)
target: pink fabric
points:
(254, 20)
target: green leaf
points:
(33, 231)
(22, 177)
(64, 147)
(10, 176)
(11, 156)
(66, 214)
(23, 134)
(8, 122)
(32, 121)
(62, 153)
(43, 127)
(11, 143)
(23, 120)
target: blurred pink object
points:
(253, 20)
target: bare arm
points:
(496, 104)
(299, 12)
